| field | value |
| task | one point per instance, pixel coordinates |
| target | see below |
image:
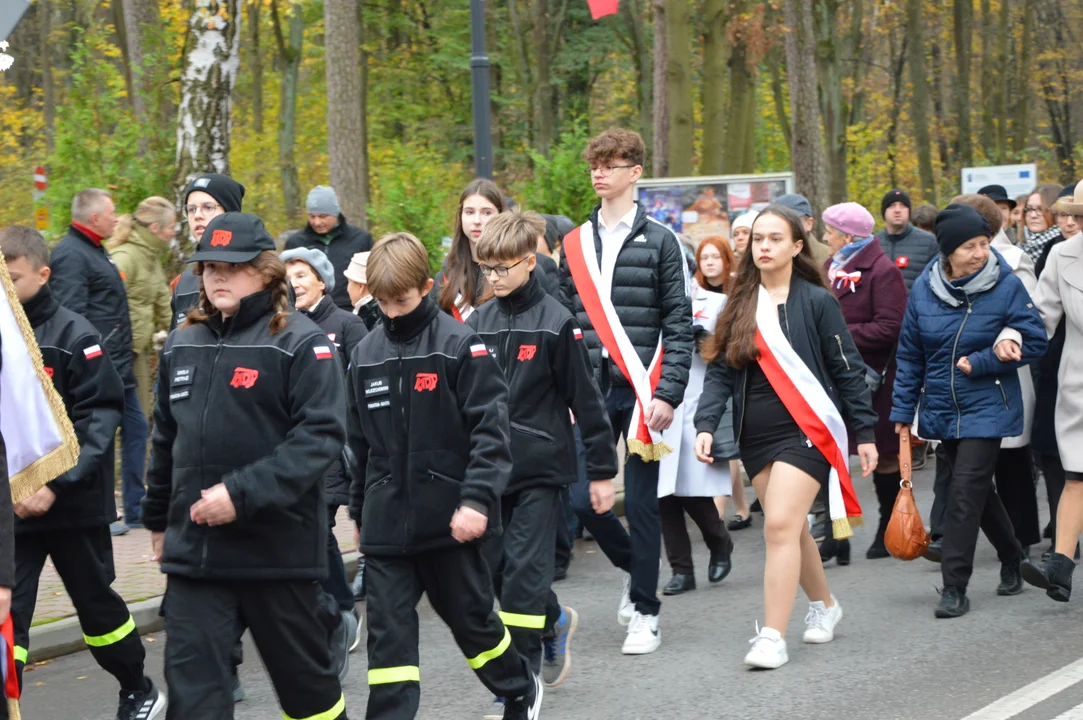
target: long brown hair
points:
(461, 274)
(273, 272)
(723, 246)
(735, 333)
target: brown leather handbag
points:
(905, 537)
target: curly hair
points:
(273, 272)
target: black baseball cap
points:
(997, 194)
(233, 237)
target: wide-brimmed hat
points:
(1073, 206)
(997, 194)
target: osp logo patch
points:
(426, 382)
(244, 377)
(526, 352)
(221, 238)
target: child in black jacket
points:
(540, 349)
(68, 519)
(428, 417)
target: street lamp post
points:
(479, 77)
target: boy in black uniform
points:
(428, 417)
(68, 520)
(539, 347)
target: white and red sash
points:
(583, 263)
(812, 409)
(461, 310)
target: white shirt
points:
(612, 241)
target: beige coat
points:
(1060, 294)
(1023, 268)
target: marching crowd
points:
(470, 421)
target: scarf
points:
(1034, 243)
(845, 254)
(90, 234)
(981, 281)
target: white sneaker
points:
(643, 635)
(768, 650)
(626, 609)
(821, 621)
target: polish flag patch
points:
(478, 350)
(323, 352)
(93, 351)
(577, 333)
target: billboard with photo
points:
(703, 206)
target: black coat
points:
(540, 348)
(817, 332)
(345, 241)
(345, 330)
(86, 281)
(428, 420)
(185, 296)
(650, 296)
(94, 398)
(369, 314)
(264, 415)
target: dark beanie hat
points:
(228, 192)
(893, 197)
(956, 224)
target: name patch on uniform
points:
(376, 386)
(179, 395)
(426, 381)
(381, 403)
(183, 375)
(92, 352)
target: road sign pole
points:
(479, 76)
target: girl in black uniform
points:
(782, 351)
(250, 415)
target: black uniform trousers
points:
(972, 503)
(678, 545)
(457, 582)
(336, 584)
(203, 621)
(83, 559)
(521, 562)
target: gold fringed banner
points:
(843, 528)
(652, 452)
(13, 710)
(41, 442)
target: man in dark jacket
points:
(640, 268)
(86, 281)
(68, 519)
(910, 248)
(327, 230)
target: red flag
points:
(7, 667)
(601, 8)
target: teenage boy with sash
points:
(624, 279)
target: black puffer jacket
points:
(650, 296)
(344, 242)
(94, 398)
(345, 330)
(817, 332)
(86, 281)
(263, 414)
(428, 420)
(911, 250)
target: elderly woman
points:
(872, 295)
(958, 373)
(1059, 298)
(1039, 228)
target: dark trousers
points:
(941, 481)
(704, 513)
(522, 567)
(636, 553)
(335, 584)
(1053, 472)
(564, 535)
(457, 582)
(202, 623)
(133, 455)
(972, 503)
(84, 560)
(1016, 487)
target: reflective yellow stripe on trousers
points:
(477, 663)
(386, 676)
(109, 638)
(338, 709)
(20, 654)
(533, 622)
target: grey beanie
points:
(322, 200)
(316, 260)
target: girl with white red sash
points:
(460, 283)
(782, 351)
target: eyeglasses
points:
(607, 170)
(1028, 210)
(500, 270)
(207, 208)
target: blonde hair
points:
(149, 212)
(511, 235)
(398, 263)
(273, 272)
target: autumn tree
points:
(807, 154)
(344, 104)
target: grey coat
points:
(911, 250)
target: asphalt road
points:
(890, 658)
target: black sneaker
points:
(527, 707)
(953, 603)
(145, 705)
(1011, 581)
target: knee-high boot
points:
(887, 489)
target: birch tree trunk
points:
(210, 73)
(807, 153)
(345, 132)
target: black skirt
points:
(770, 434)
